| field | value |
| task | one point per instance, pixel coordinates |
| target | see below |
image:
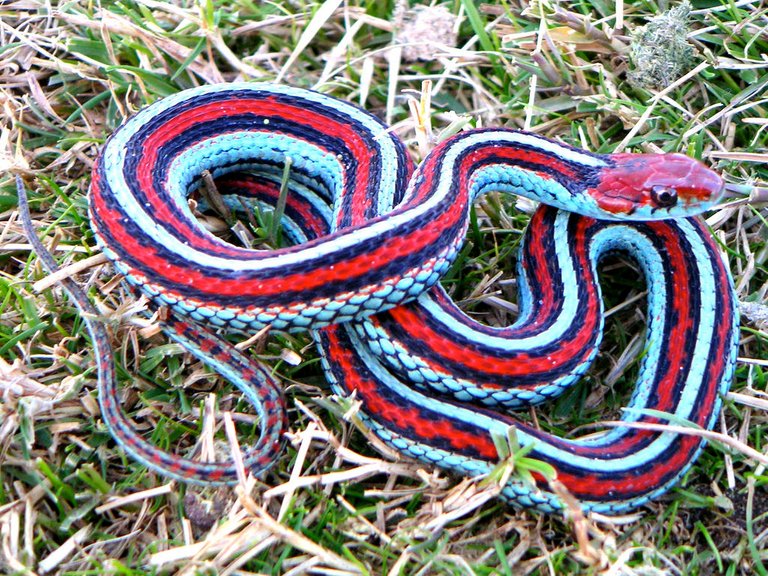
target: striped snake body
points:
(372, 238)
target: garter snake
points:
(373, 237)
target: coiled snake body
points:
(373, 237)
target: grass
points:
(71, 503)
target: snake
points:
(370, 235)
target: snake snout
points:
(696, 185)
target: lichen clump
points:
(661, 52)
(424, 31)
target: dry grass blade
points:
(322, 15)
(55, 558)
(726, 440)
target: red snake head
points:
(655, 186)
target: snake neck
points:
(513, 162)
(604, 186)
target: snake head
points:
(655, 186)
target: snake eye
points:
(664, 196)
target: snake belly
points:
(373, 239)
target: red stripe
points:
(584, 484)
(397, 414)
(617, 486)
(310, 220)
(412, 320)
(183, 122)
(467, 164)
(245, 284)
(250, 284)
